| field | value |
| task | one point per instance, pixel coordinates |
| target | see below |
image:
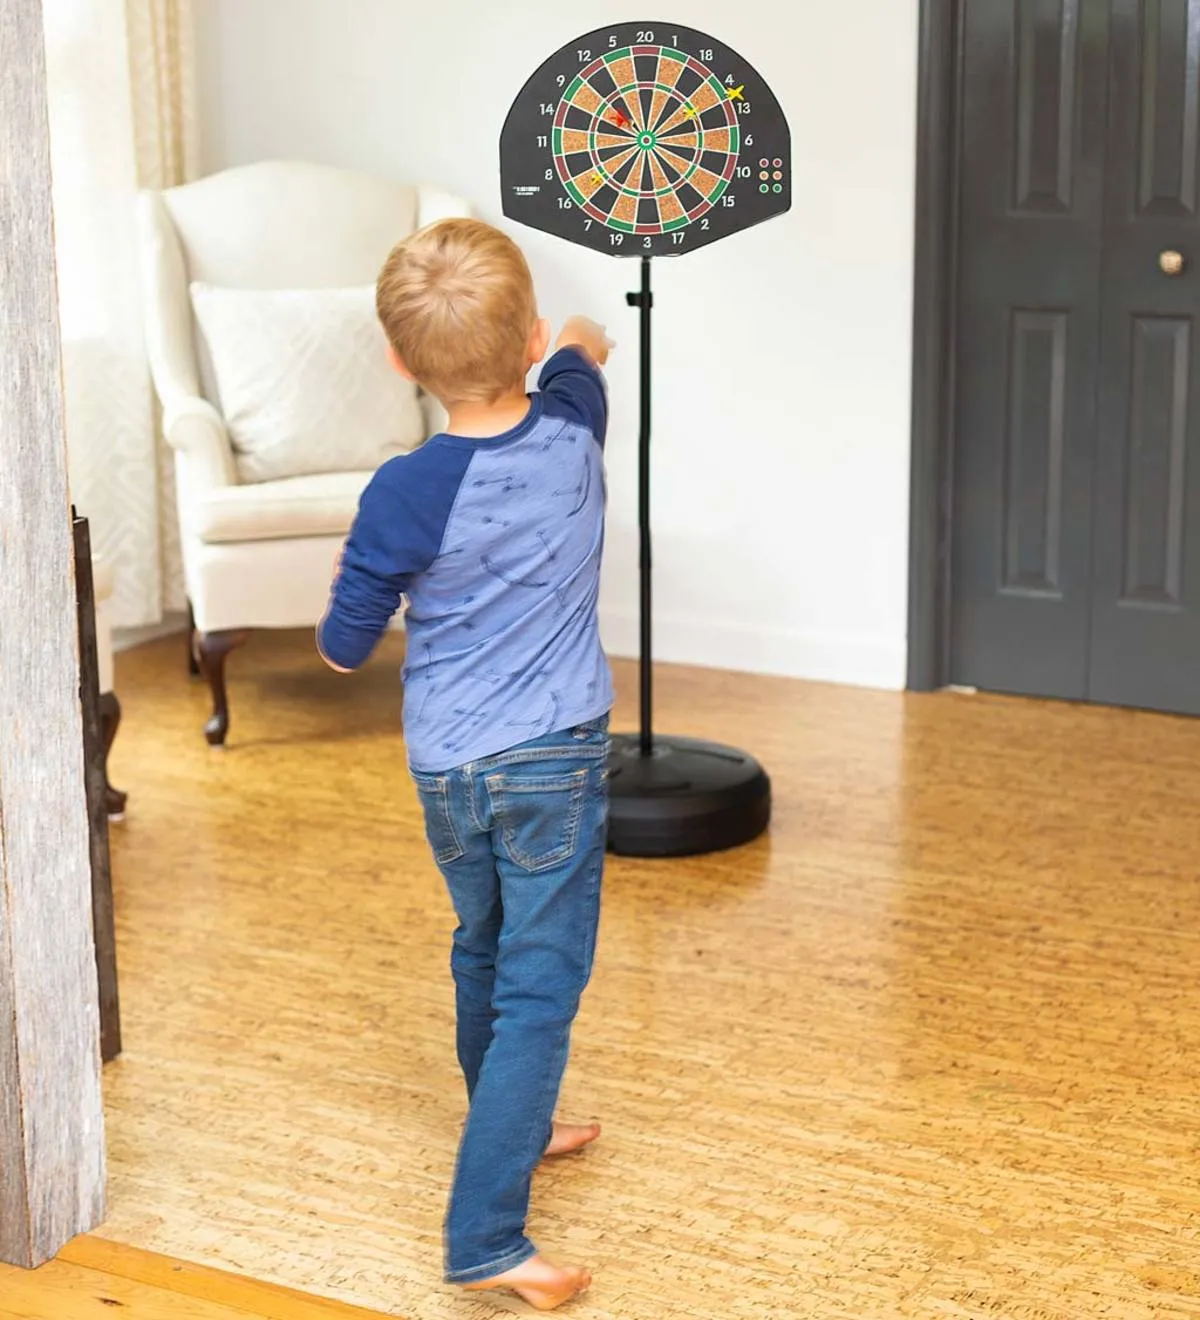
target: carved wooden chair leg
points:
(193, 663)
(211, 652)
(110, 722)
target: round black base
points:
(688, 797)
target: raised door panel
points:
(1145, 648)
(1032, 114)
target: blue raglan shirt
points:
(497, 545)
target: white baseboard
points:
(821, 657)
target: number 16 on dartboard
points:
(645, 139)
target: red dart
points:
(621, 120)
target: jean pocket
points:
(538, 815)
(434, 791)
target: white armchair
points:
(258, 555)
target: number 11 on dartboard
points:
(645, 139)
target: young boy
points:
(494, 531)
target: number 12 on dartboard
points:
(645, 138)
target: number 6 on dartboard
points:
(646, 140)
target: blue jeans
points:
(520, 838)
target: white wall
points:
(782, 354)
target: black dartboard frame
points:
(645, 139)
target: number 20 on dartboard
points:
(645, 138)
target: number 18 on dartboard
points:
(645, 139)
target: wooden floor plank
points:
(926, 1052)
(181, 1279)
(62, 1291)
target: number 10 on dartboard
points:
(645, 139)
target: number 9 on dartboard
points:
(645, 139)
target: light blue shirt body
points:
(497, 544)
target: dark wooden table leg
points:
(212, 649)
(192, 663)
(97, 797)
(110, 722)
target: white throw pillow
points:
(304, 381)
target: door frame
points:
(934, 325)
(52, 1156)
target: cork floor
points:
(928, 1050)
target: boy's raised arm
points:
(573, 376)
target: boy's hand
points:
(580, 332)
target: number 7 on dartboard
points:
(645, 139)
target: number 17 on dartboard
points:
(645, 139)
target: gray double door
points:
(1076, 542)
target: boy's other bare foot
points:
(542, 1285)
(567, 1138)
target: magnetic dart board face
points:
(645, 139)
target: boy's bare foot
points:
(567, 1138)
(542, 1285)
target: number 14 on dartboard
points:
(645, 139)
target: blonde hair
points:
(456, 301)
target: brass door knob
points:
(1170, 263)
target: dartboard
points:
(645, 139)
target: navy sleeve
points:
(573, 387)
(397, 533)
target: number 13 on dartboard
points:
(645, 139)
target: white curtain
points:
(121, 92)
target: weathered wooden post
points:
(51, 1128)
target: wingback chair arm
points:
(168, 310)
(197, 433)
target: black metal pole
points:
(644, 301)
